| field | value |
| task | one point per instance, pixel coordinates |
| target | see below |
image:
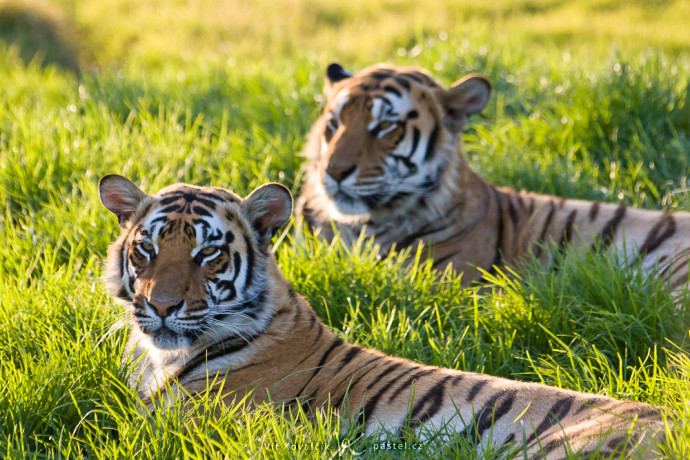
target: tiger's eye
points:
(146, 246)
(208, 251)
(385, 124)
(331, 126)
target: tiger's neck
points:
(459, 217)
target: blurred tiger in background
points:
(386, 157)
(207, 303)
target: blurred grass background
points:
(110, 32)
(591, 100)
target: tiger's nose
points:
(164, 307)
(340, 172)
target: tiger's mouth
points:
(353, 205)
(169, 332)
(167, 339)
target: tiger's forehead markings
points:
(171, 227)
(391, 101)
(191, 213)
(383, 79)
(188, 203)
(208, 232)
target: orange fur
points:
(360, 181)
(269, 343)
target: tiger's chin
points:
(166, 339)
(349, 208)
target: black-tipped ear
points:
(268, 207)
(120, 196)
(334, 74)
(465, 97)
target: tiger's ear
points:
(268, 207)
(120, 196)
(465, 97)
(334, 74)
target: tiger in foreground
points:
(386, 156)
(194, 270)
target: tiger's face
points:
(190, 264)
(386, 133)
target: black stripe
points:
(222, 348)
(435, 397)
(609, 230)
(476, 388)
(145, 211)
(201, 211)
(677, 269)
(616, 443)
(559, 410)
(354, 351)
(336, 343)
(392, 89)
(215, 236)
(415, 141)
(371, 403)
(250, 261)
(212, 196)
(655, 238)
(402, 82)
(124, 294)
(440, 261)
(188, 197)
(406, 384)
(415, 76)
(315, 341)
(431, 145)
(466, 229)
(354, 382)
(552, 445)
(499, 234)
(491, 413)
(237, 265)
(425, 231)
(544, 230)
(567, 231)
(158, 220)
(123, 260)
(671, 263)
(388, 104)
(512, 213)
(132, 277)
(380, 74)
(593, 211)
(171, 208)
(588, 404)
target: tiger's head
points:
(191, 263)
(386, 137)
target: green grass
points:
(594, 107)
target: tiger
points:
(207, 302)
(385, 159)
